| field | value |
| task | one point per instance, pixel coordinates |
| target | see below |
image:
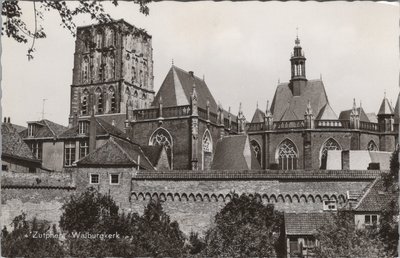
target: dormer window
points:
(30, 130)
(330, 206)
(83, 127)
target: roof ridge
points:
(367, 192)
(186, 72)
(48, 126)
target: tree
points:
(16, 28)
(246, 228)
(152, 234)
(196, 244)
(339, 237)
(31, 239)
(389, 227)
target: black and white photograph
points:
(200, 129)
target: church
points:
(113, 80)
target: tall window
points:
(113, 101)
(30, 130)
(330, 144)
(37, 150)
(84, 106)
(83, 127)
(287, 155)
(99, 101)
(257, 150)
(83, 148)
(99, 39)
(372, 146)
(207, 150)
(69, 153)
(162, 137)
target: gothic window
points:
(287, 155)
(85, 75)
(69, 153)
(162, 137)
(372, 146)
(100, 105)
(84, 105)
(207, 150)
(99, 38)
(330, 144)
(113, 101)
(140, 78)
(257, 150)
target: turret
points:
(298, 79)
(309, 117)
(354, 117)
(268, 119)
(386, 116)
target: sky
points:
(241, 48)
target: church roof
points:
(153, 153)
(285, 106)
(386, 108)
(177, 89)
(117, 152)
(327, 113)
(345, 115)
(13, 145)
(258, 116)
(235, 153)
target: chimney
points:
(5, 120)
(9, 120)
(191, 73)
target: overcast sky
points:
(241, 48)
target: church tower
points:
(298, 79)
(113, 67)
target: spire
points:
(309, 109)
(268, 111)
(172, 62)
(297, 41)
(298, 79)
(385, 108)
(257, 105)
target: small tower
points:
(309, 117)
(354, 117)
(298, 79)
(195, 128)
(386, 116)
(268, 119)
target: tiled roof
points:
(117, 152)
(261, 174)
(13, 145)
(19, 128)
(376, 198)
(152, 153)
(177, 89)
(372, 117)
(47, 129)
(295, 106)
(327, 113)
(258, 116)
(345, 115)
(102, 128)
(234, 153)
(304, 223)
(386, 108)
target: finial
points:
(208, 103)
(240, 108)
(267, 105)
(257, 104)
(160, 101)
(229, 110)
(297, 41)
(360, 104)
(384, 94)
(354, 103)
(172, 62)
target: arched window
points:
(85, 69)
(207, 149)
(330, 144)
(99, 38)
(163, 137)
(257, 150)
(287, 155)
(113, 102)
(100, 106)
(372, 146)
(84, 102)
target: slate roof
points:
(232, 153)
(117, 152)
(376, 198)
(345, 115)
(177, 89)
(102, 128)
(385, 108)
(13, 145)
(258, 116)
(47, 129)
(304, 223)
(372, 117)
(153, 153)
(327, 113)
(285, 106)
